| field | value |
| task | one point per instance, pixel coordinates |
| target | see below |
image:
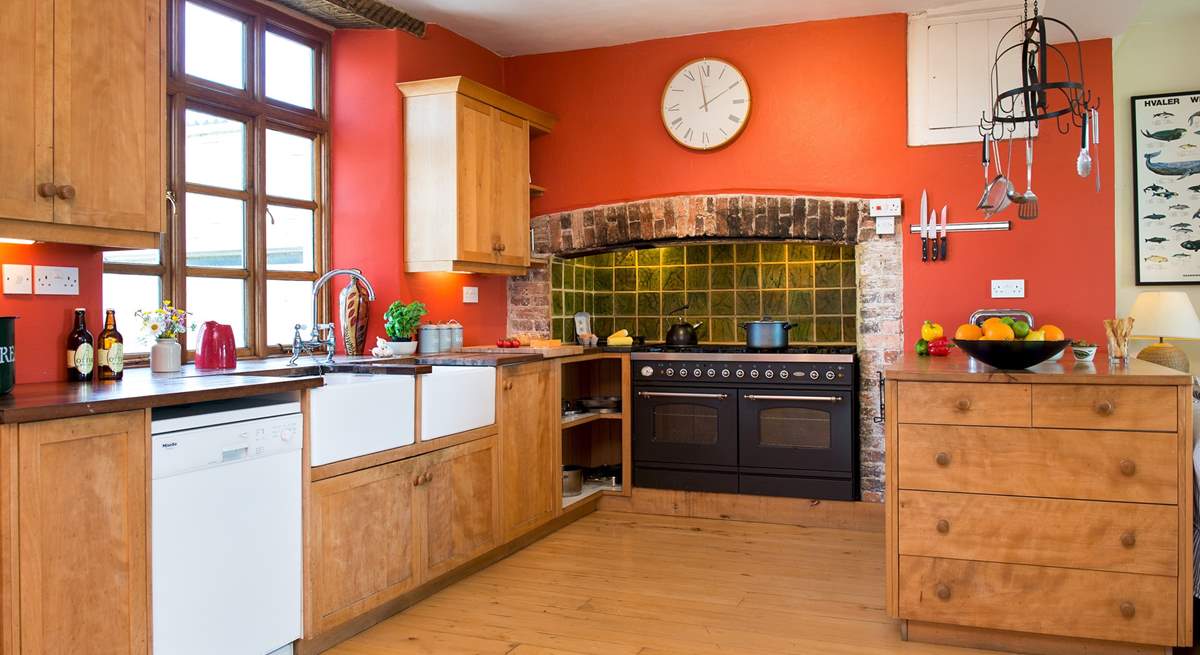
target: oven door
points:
(685, 425)
(808, 429)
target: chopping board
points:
(557, 351)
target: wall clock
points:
(705, 104)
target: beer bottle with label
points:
(110, 350)
(79, 350)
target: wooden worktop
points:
(958, 367)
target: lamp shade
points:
(1165, 314)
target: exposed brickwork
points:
(730, 217)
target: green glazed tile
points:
(625, 279)
(603, 260)
(672, 278)
(800, 252)
(774, 303)
(848, 252)
(672, 299)
(720, 303)
(697, 277)
(648, 279)
(829, 328)
(828, 302)
(698, 302)
(849, 302)
(746, 253)
(603, 325)
(624, 257)
(602, 305)
(849, 329)
(556, 275)
(575, 302)
(556, 329)
(721, 330)
(774, 252)
(589, 303)
(721, 253)
(604, 279)
(848, 275)
(800, 303)
(588, 278)
(649, 303)
(556, 303)
(701, 331)
(626, 323)
(828, 253)
(802, 329)
(800, 276)
(747, 276)
(672, 256)
(721, 277)
(697, 254)
(649, 257)
(748, 302)
(774, 276)
(828, 275)
(624, 304)
(651, 328)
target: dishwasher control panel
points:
(190, 449)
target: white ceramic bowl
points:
(403, 347)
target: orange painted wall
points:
(45, 321)
(828, 117)
(367, 176)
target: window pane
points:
(131, 256)
(289, 165)
(127, 294)
(220, 300)
(288, 303)
(215, 231)
(289, 71)
(214, 46)
(216, 150)
(289, 239)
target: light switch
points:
(18, 278)
(470, 294)
(56, 280)
(885, 225)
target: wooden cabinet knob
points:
(417, 481)
(963, 404)
(943, 526)
(508, 386)
(942, 459)
(47, 190)
(1128, 610)
(1128, 540)
(427, 477)
(1105, 407)
(1128, 467)
(943, 591)
(503, 247)
(66, 192)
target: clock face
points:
(706, 104)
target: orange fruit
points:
(992, 321)
(968, 332)
(997, 332)
(1053, 333)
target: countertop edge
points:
(960, 368)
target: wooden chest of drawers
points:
(1045, 512)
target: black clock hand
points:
(709, 101)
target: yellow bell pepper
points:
(931, 331)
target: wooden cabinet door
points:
(361, 541)
(83, 488)
(460, 512)
(530, 478)
(108, 113)
(477, 236)
(26, 108)
(510, 187)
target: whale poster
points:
(1166, 193)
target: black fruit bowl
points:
(1012, 355)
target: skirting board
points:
(861, 516)
(1019, 642)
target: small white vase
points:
(402, 347)
(165, 356)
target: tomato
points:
(501, 343)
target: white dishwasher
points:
(226, 527)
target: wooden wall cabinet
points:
(467, 186)
(82, 120)
(528, 418)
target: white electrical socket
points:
(56, 280)
(885, 207)
(470, 294)
(18, 279)
(1008, 288)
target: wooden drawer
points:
(1057, 601)
(963, 403)
(1086, 464)
(1106, 407)
(1122, 537)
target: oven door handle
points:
(663, 394)
(822, 399)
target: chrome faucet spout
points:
(300, 345)
(324, 279)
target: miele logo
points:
(170, 444)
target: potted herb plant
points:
(164, 325)
(400, 322)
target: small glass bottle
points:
(110, 350)
(80, 360)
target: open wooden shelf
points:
(535, 190)
(589, 489)
(582, 419)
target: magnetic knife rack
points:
(980, 226)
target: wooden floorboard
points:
(628, 584)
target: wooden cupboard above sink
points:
(467, 187)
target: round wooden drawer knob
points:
(963, 404)
(47, 190)
(1128, 610)
(943, 592)
(942, 459)
(943, 526)
(66, 192)
(1105, 407)
(1128, 540)
(1128, 467)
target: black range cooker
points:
(732, 420)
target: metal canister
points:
(428, 339)
(8, 353)
(456, 335)
(445, 338)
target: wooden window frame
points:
(251, 106)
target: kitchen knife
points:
(933, 238)
(944, 241)
(924, 227)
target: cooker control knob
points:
(829, 375)
(670, 372)
(683, 372)
(724, 372)
(696, 372)
(813, 375)
(754, 373)
(741, 373)
(647, 371)
(769, 373)
(783, 375)
(711, 373)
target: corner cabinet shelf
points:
(583, 419)
(466, 163)
(589, 489)
(593, 439)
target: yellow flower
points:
(154, 327)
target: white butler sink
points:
(358, 414)
(456, 399)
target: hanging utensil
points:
(945, 252)
(1096, 142)
(1029, 206)
(1001, 193)
(987, 185)
(1083, 163)
(924, 228)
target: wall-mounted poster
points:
(1166, 194)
